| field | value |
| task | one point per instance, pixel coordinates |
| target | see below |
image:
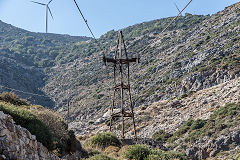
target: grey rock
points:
(2, 157)
(236, 137)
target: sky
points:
(102, 15)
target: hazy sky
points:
(102, 15)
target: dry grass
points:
(112, 151)
(51, 119)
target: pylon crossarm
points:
(119, 114)
(123, 86)
(119, 61)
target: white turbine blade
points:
(50, 12)
(38, 3)
(177, 8)
(50, 1)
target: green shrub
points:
(227, 110)
(152, 157)
(197, 124)
(165, 155)
(221, 119)
(93, 152)
(100, 157)
(161, 136)
(49, 127)
(12, 98)
(137, 152)
(107, 122)
(189, 126)
(237, 156)
(182, 96)
(181, 130)
(29, 121)
(103, 140)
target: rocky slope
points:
(183, 61)
(170, 115)
(86, 78)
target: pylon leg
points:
(123, 136)
(111, 123)
(134, 126)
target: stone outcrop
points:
(17, 142)
(210, 148)
(169, 115)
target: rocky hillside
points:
(183, 61)
(201, 125)
(86, 78)
(60, 66)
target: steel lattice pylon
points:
(121, 63)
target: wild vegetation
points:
(221, 122)
(49, 127)
(106, 146)
(13, 99)
(100, 157)
(35, 49)
(137, 152)
(103, 140)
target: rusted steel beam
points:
(118, 114)
(123, 86)
(120, 61)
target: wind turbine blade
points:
(50, 12)
(38, 3)
(50, 1)
(177, 8)
(46, 18)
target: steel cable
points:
(167, 27)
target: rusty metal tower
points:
(122, 98)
